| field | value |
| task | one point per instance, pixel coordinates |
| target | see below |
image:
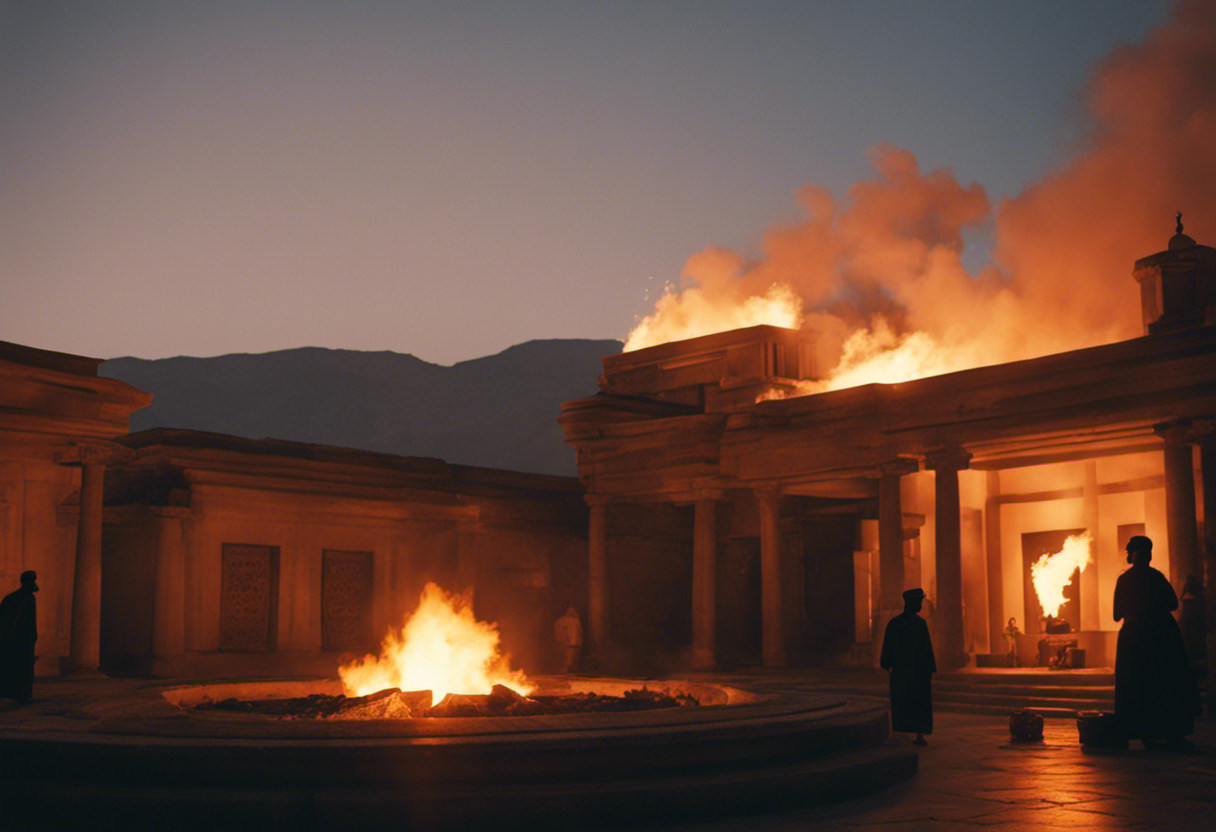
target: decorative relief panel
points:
(248, 589)
(346, 600)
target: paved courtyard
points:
(972, 777)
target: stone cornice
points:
(94, 452)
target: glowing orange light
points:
(695, 312)
(441, 648)
(1052, 572)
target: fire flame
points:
(1052, 572)
(695, 312)
(441, 648)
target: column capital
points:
(948, 459)
(767, 490)
(897, 467)
(1202, 431)
(94, 452)
(594, 500)
(1177, 432)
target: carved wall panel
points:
(249, 584)
(346, 600)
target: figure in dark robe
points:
(907, 655)
(18, 632)
(1156, 697)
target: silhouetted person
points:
(907, 655)
(569, 633)
(18, 632)
(1155, 693)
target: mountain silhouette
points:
(498, 411)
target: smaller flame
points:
(1052, 572)
(441, 648)
(694, 312)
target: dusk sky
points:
(449, 179)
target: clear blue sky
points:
(448, 179)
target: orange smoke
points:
(879, 276)
(442, 648)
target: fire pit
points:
(500, 701)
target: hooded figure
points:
(1156, 697)
(907, 654)
(18, 632)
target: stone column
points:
(704, 584)
(1204, 434)
(169, 602)
(1090, 617)
(772, 618)
(996, 582)
(92, 455)
(947, 463)
(597, 575)
(86, 595)
(1179, 503)
(891, 533)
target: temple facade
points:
(58, 423)
(180, 553)
(735, 522)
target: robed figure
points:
(568, 630)
(907, 655)
(18, 632)
(1156, 697)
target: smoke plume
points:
(879, 274)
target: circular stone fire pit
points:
(742, 750)
(501, 701)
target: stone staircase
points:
(1052, 693)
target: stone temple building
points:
(189, 554)
(732, 526)
(715, 521)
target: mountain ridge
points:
(495, 411)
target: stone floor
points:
(969, 775)
(972, 777)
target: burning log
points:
(392, 703)
(386, 704)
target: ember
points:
(396, 704)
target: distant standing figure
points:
(569, 632)
(1156, 697)
(18, 632)
(907, 655)
(1011, 638)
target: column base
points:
(704, 660)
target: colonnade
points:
(1187, 556)
(704, 577)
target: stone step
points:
(1026, 701)
(1004, 710)
(1100, 677)
(1019, 691)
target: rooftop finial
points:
(1178, 228)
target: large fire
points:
(912, 273)
(693, 312)
(441, 648)
(1052, 572)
